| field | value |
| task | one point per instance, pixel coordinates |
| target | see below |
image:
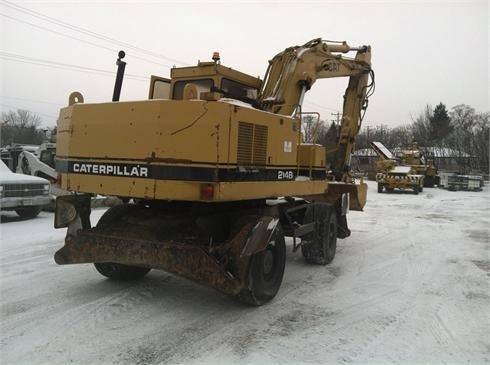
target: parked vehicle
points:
(391, 175)
(25, 194)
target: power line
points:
(72, 68)
(78, 39)
(88, 32)
(65, 66)
(56, 32)
(320, 106)
(30, 100)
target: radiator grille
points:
(19, 190)
(252, 144)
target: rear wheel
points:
(380, 188)
(121, 272)
(320, 246)
(114, 270)
(115, 214)
(266, 271)
(28, 212)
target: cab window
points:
(48, 157)
(235, 90)
(179, 86)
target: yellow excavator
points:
(392, 175)
(414, 158)
(214, 172)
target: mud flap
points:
(260, 236)
(73, 212)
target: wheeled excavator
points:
(392, 175)
(215, 172)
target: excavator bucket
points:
(357, 193)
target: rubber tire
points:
(380, 188)
(121, 272)
(323, 242)
(114, 270)
(429, 181)
(28, 212)
(265, 277)
(115, 213)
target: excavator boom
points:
(294, 71)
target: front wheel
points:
(28, 212)
(429, 181)
(320, 246)
(266, 271)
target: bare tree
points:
(21, 126)
(421, 126)
(314, 129)
(482, 141)
(471, 136)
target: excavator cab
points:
(207, 81)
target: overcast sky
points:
(424, 52)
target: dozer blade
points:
(189, 261)
(224, 267)
(357, 193)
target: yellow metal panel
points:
(157, 134)
(311, 155)
(151, 130)
(282, 131)
(189, 190)
(268, 189)
(113, 185)
(211, 69)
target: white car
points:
(25, 194)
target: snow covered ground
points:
(411, 285)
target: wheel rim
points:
(331, 235)
(268, 262)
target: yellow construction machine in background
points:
(413, 157)
(215, 170)
(391, 175)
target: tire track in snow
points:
(85, 318)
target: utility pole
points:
(338, 115)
